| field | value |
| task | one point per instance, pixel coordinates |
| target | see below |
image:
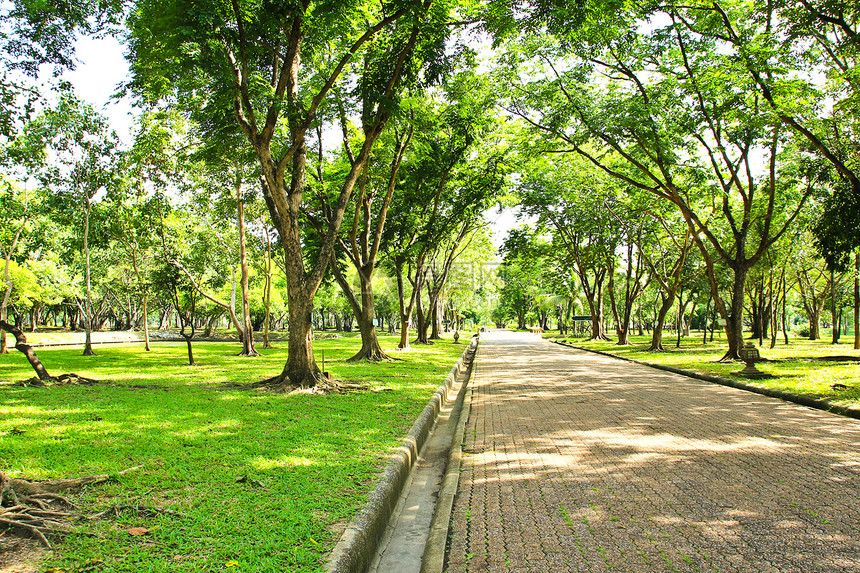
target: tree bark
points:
(834, 315)
(247, 332)
(301, 370)
(88, 313)
(267, 297)
(365, 314)
(657, 333)
(857, 300)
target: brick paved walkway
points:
(576, 462)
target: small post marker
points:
(750, 355)
(326, 375)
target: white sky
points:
(100, 69)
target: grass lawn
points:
(795, 365)
(309, 460)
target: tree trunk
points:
(435, 319)
(815, 324)
(88, 318)
(26, 350)
(4, 348)
(267, 289)
(735, 322)
(301, 370)
(705, 322)
(657, 334)
(834, 315)
(247, 333)
(364, 312)
(595, 305)
(857, 300)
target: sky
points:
(101, 68)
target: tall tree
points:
(270, 69)
(83, 160)
(657, 97)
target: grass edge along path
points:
(800, 372)
(264, 482)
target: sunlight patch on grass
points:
(311, 460)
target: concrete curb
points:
(356, 548)
(826, 405)
(433, 560)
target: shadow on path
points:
(576, 462)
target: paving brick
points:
(578, 462)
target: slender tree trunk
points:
(774, 311)
(834, 339)
(267, 298)
(735, 323)
(4, 349)
(365, 314)
(435, 319)
(857, 300)
(248, 348)
(88, 318)
(423, 322)
(784, 310)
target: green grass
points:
(311, 459)
(794, 365)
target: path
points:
(577, 462)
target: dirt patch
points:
(20, 555)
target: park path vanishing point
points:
(578, 462)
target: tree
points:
(361, 243)
(13, 223)
(577, 204)
(652, 107)
(777, 43)
(458, 169)
(273, 67)
(83, 160)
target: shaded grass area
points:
(798, 366)
(309, 460)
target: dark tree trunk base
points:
(730, 356)
(371, 353)
(321, 385)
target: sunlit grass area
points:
(308, 460)
(798, 367)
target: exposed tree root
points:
(322, 386)
(61, 380)
(371, 355)
(37, 510)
